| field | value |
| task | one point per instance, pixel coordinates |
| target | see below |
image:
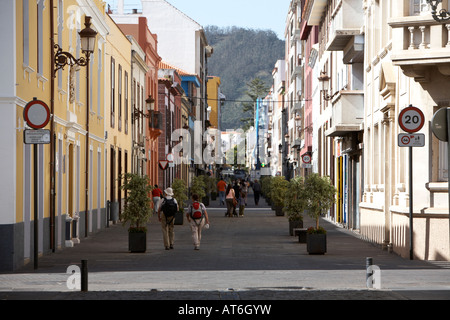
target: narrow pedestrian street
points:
(250, 257)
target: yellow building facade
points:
(118, 116)
(214, 101)
(71, 169)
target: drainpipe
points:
(52, 133)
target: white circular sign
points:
(411, 119)
(169, 157)
(36, 114)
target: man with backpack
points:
(168, 208)
(197, 218)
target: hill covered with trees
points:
(240, 56)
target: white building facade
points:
(407, 63)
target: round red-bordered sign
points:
(36, 114)
(306, 159)
(411, 119)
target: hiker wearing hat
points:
(166, 215)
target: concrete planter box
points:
(316, 243)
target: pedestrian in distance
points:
(237, 195)
(256, 191)
(221, 188)
(156, 194)
(197, 217)
(230, 199)
(242, 198)
(166, 215)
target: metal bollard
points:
(84, 276)
(369, 272)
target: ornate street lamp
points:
(87, 36)
(443, 14)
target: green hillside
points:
(241, 55)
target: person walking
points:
(221, 188)
(166, 215)
(256, 191)
(237, 195)
(243, 198)
(156, 194)
(197, 217)
(230, 198)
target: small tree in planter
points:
(137, 210)
(278, 190)
(295, 203)
(180, 194)
(265, 187)
(198, 187)
(209, 187)
(320, 196)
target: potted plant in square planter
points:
(198, 187)
(180, 194)
(137, 210)
(316, 240)
(278, 190)
(295, 204)
(320, 196)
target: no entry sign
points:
(36, 114)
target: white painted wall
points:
(8, 120)
(178, 39)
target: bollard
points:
(369, 272)
(84, 276)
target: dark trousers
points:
(257, 194)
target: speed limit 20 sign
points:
(411, 119)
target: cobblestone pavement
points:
(247, 258)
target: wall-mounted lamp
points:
(443, 14)
(324, 80)
(87, 36)
(150, 103)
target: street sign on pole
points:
(163, 164)
(306, 161)
(411, 140)
(411, 120)
(36, 136)
(36, 114)
(439, 124)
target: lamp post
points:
(324, 80)
(64, 58)
(443, 14)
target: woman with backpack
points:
(197, 218)
(168, 208)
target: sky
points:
(252, 14)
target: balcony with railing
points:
(418, 43)
(347, 113)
